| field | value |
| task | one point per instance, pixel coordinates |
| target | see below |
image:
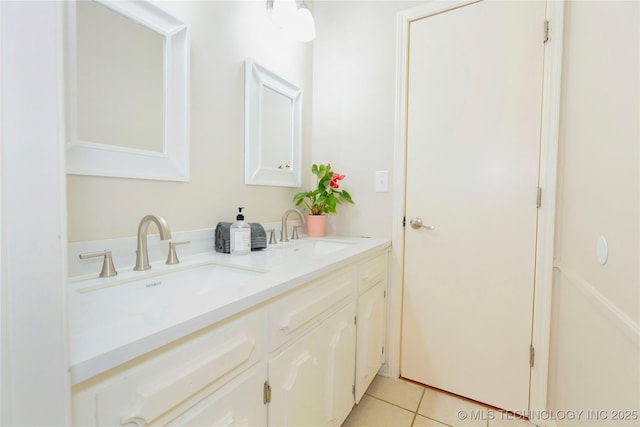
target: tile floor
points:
(393, 402)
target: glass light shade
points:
(303, 28)
(283, 13)
(298, 23)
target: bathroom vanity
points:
(292, 335)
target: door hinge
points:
(532, 355)
(404, 221)
(353, 390)
(382, 349)
(539, 197)
(266, 393)
(545, 37)
(355, 320)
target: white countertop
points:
(113, 323)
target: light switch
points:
(382, 181)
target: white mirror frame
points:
(172, 164)
(255, 173)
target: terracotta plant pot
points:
(316, 225)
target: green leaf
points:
(322, 170)
(332, 202)
(314, 169)
(346, 197)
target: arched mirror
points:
(127, 99)
(273, 128)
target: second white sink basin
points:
(313, 247)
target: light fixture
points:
(295, 20)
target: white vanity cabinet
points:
(372, 285)
(299, 358)
(317, 379)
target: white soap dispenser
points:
(240, 235)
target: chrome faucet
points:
(283, 230)
(142, 253)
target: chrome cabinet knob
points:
(417, 223)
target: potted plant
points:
(323, 199)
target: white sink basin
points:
(313, 247)
(164, 288)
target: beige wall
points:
(223, 34)
(354, 106)
(595, 349)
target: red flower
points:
(334, 180)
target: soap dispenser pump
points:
(240, 235)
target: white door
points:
(474, 102)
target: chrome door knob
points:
(417, 223)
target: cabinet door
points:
(239, 403)
(312, 380)
(370, 337)
(340, 345)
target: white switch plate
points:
(382, 181)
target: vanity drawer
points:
(372, 271)
(299, 311)
(157, 387)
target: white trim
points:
(4, 405)
(257, 78)
(33, 218)
(62, 207)
(546, 218)
(623, 322)
(552, 80)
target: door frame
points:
(552, 74)
(33, 333)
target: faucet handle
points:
(294, 234)
(172, 257)
(272, 237)
(108, 270)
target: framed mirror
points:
(273, 128)
(126, 90)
